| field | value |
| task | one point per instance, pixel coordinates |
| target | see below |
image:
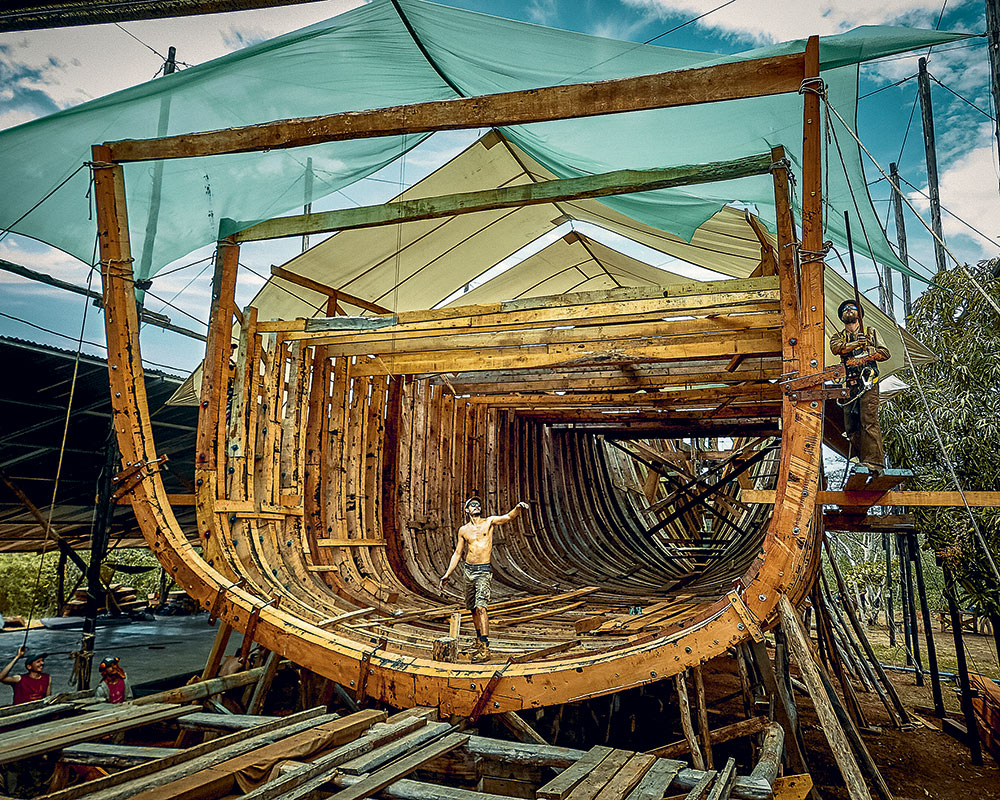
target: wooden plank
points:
(627, 778)
(208, 721)
(752, 78)
(117, 756)
(793, 787)
(890, 498)
(381, 756)
(517, 725)
(657, 780)
(603, 184)
(745, 727)
(379, 779)
(698, 790)
(240, 740)
(28, 743)
(317, 772)
(799, 644)
(724, 783)
(599, 776)
(563, 783)
(704, 733)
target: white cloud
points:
(780, 20)
(968, 188)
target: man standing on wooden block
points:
(477, 536)
(860, 351)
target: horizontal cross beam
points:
(623, 181)
(740, 79)
(891, 498)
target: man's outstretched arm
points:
(512, 514)
(5, 676)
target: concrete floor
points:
(149, 651)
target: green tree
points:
(962, 392)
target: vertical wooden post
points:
(812, 207)
(308, 200)
(702, 708)
(930, 150)
(855, 782)
(217, 652)
(684, 703)
(951, 593)
(263, 685)
(783, 705)
(904, 256)
(61, 581)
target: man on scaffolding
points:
(476, 537)
(860, 352)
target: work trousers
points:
(862, 428)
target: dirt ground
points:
(980, 650)
(922, 763)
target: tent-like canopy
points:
(392, 52)
(417, 265)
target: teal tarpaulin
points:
(391, 53)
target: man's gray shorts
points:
(478, 585)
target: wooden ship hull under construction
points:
(333, 454)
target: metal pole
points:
(904, 256)
(927, 115)
(963, 668)
(993, 47)
(907, 556)
(890, 617)
(925, 612)
(308, 199)
(903, 605)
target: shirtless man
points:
(477, 536)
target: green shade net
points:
(406, 51)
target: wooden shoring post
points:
(901, 716)
(263, 686)
(839, 744)
(951, 595)
(812, 251)
(704, 732)
(837, 660)
(218, 652)
(904, 606)
(925, 613)
(684, 705)
(783, 707)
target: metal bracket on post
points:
(365, 669)
(248, 634)
(487, 694)
(125, 481)
(748, 622)
(220, 596)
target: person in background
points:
(114, 687)
(34, 684)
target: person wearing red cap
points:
(113, 687)
(476, 538)
(860, 352)
(34, 684)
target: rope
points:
(964, 100)
(62, 452)
(814, 256)
(7, 230)
(968, 225)
(904, 198)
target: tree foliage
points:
(961, 398)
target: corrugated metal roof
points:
(33, 403)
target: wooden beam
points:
(623, 181)
(745, 727)
(752, 78)
(335, 295)
(895, 498)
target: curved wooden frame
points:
(786, 563)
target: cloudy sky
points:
(45, 71)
